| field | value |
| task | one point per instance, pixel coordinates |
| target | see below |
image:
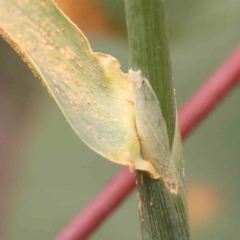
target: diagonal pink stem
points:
(210, 94)
(199, 106)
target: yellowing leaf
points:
(108, 109)
(94, 95)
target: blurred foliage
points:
(61, 175)
(88, 15)
(115, 12)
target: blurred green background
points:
(48, 175)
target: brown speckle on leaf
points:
(101, 84)
(89, 128)
(77, 110)
(52, 54)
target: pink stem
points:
(210, 94)
(199, 106)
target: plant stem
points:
(163, 214)
(150, 52)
